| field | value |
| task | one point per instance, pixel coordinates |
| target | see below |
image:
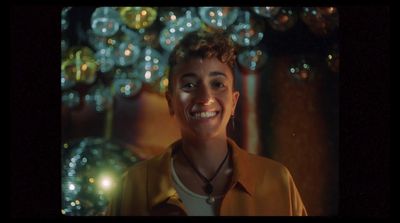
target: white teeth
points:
(200, 115)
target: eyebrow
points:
(217, 73)
(213, 73)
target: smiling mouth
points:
(203, 115)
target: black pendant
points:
(208, 188)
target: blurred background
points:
(113, 79)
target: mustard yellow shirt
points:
(259, 187)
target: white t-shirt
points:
(195, 204)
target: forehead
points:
(201, 68)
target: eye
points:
(188, 86)
(218, 84)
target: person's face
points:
(202, 97)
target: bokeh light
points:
(80, 65)
(267, 11)
(105, 21)
(138, 17)
(152, 66)
(70, 98)
(301, 70)
(320, 20)
(218, 17)
(252, 59)
(99, 97)
(247, 31)
(332, 59)
(91, 168)
(285, 19)
(126, 82)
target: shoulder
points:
(140, 169)
(269, 172)
(268, 166)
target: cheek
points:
(183, 97)
(180, 102)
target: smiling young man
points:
(205, 172)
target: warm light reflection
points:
(147, 75)
(165, 82)
(71, 187)
(106, 182)
(127, 52)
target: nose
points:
(204, 96)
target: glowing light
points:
(106, 182)
(147, 75)
(65, 145)
(72, 204)
(84, 67)
(91, 180)
(165, 82)
(71, 187)
(127, 52)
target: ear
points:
(168, 96)
(235, 99)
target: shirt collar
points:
(160, 186)
(242, 171)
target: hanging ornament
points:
(218, 17)
(189, 22)
(161, 85)
(104, 59)
(70, 98)
(170, 35)
(99, 42)
(80, 65)
(105, 21)
(126, 49)
(252, 59)
(99, 97)
(301, 70)
(267, 11)
(283, 20)
(64, 18)
(320, 20)
(151, 66)
(332, 59)
(64, 46)
(65, 82)
(330, 15)
(169, 15)
(247, 31)
(149, 36)
(91, 168)
(126, 83)
(125, 54)
(138, 17)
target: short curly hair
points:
(203, 44)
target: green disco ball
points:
(91, 168)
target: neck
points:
(207, 154)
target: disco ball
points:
(90, 171)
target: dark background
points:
(364, 154)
